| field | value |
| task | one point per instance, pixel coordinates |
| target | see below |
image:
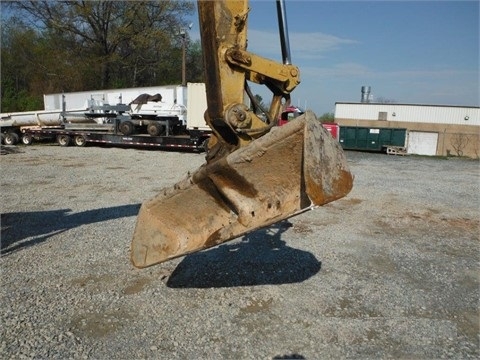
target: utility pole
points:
(184, 57)
(183, 34)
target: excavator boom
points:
(256, 173)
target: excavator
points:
(256, 173)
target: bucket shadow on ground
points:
(24, 229)
(260, 258)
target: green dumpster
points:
(371, 139)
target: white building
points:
(430, 129)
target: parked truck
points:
(145, 121)
(292, 112)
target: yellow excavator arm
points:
(223, 25)
(256, 173)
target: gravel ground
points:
(391, 271)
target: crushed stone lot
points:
(390, 271)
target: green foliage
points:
(261, 105)
(18, 69)
(86, 45)
(195, 72)
(327, 118)
(13, 101)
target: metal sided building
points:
(429, 129)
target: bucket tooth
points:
(291, 169)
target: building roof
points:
(405, 104)
(420, 113)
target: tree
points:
(327, 117)
(459, 142)
(195, 71)
(85, 45)
(20, 46)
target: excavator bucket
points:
(291, 169)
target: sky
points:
(409, 52)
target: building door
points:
(422, 143)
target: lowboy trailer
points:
(193, 140)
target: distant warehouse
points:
(423, 129)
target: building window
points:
(382, 115)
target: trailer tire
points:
(79, 140)
(155, 129)
(126, 127)
(11, 138)
(27, 139)
(64, 140)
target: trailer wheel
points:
(27, 139)
(155, 129)
(79, 140)
(126, 127)
(63, 140)
(11, 138)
